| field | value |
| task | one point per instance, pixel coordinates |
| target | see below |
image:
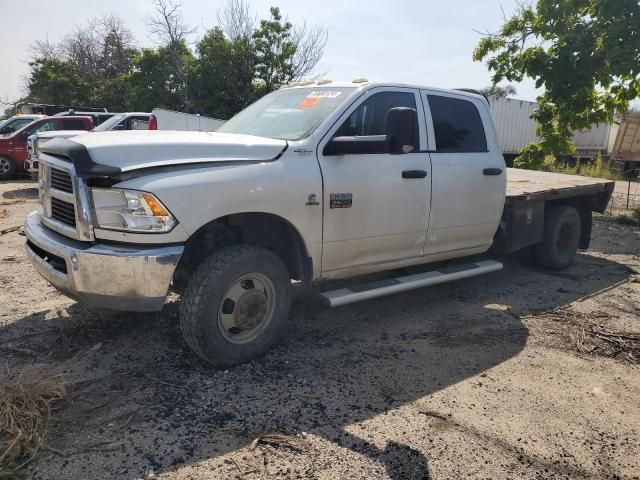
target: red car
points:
(13, 147)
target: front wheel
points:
(7, 168)
(235, 305)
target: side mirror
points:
(357, 145)
(400, 126)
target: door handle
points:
(492, 171)
(414, 173)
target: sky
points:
(424, 42)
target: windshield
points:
(109, 123)
(289, 114)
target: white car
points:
(310, 183)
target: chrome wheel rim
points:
(246, 308)
(4, 165)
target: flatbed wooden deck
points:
(524, 186)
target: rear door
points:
(373, 213)
(469, 177)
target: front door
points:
(376, 205)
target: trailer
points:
(626, 150)
(516, 129)
(26, 108)
(163, 119)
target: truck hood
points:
(134, 150)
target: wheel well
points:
(583, 206)
(262, 229)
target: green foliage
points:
(274, 51)
(585, 53)
(598, 168)
(223, 74)
(152, 83)
(59, 82)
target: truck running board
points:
(343, 296)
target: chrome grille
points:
(61, 180)
(63, 212)
(64, 198)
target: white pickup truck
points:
(321, 182)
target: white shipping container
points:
(171, 120)
(513, 120)
(516, 129)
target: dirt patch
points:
(480, 378)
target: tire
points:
(236, 304)
(7, 168)
(560, 239)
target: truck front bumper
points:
(119, 277)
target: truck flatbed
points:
(531, 193)
(527, 186)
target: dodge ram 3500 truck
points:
(323, 181)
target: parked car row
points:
(22, 136)
(13, 147)
(117, 122)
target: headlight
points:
(130, 211)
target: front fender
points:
(198, 196)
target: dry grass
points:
(586, 333)
(24, 418)
(599, 340)
(280, 440)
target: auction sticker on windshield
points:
(315, 97)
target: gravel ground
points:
(501, 376)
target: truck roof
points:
(366, 84)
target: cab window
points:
(369, 117)
(457, 125)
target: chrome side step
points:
(343, 296)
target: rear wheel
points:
(560, 239)
(235, 305)
(7, 168)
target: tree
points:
(236, 20)
(86, 68)
(170, 30)
(585, 53)
(309, 45)
(59, 82)
(236, 62)
(223, 78)
(274, 50)
(285, 53)
(498, 91)
(153, 83)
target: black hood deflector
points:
(78, 154)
